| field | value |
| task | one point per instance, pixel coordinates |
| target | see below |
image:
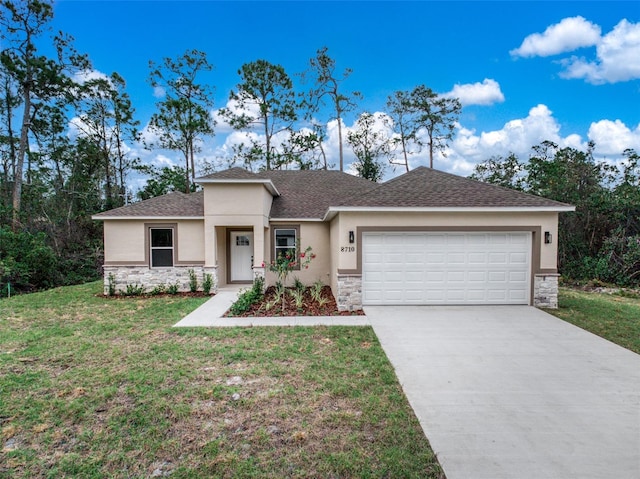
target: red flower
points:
(313, 255)
(302, 254)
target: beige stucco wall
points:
(234, 205)
(316, 235)
(126, 242)
(350, 221)
(237, 200)
(334, 239)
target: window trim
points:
(274, 248)
(148, 247)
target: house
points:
(425, 237)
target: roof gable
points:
(309, 194)
(428, 188)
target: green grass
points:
(93, 387)
(611, 316)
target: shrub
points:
(28, 263)
(619, 260)
(135, 290)
(111, 279)
(193, 281)
(207, 283)
(298, 285)
(248, 298)
(158, 290)
(173, 288)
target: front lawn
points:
(91, 387)
(611, 316)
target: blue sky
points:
(525, 71)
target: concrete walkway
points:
(210, 314)
(513, 392)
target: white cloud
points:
(486, 93)
(618, 57)
(613, 137)
(161, 161)
(159, 92)
(84, 76)
(568, 35)
(517, 136)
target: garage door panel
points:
(517, 258)
(498, 258)
(436, 258)
(446, 268)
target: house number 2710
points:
(347, 249)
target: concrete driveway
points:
(513, 392)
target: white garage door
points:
(446, 268)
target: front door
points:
(241, 243)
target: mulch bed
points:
(270, 307)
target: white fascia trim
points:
(333, 210)
(267, 183)
(148, 218)
(295, 220)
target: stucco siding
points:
(316, 235)
(124, 242)
(237, 200)
(540, 221)
(191, 241)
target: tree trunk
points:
(22, 151)
(340, 143)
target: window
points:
(161, 247)
(284, 241)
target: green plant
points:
(298, 285)
(135, 290)
(298, 297)
(158, 290)
(247, 298)
(173, 288)
(316, 290)
(287, 262)
(207, 283)
(111, 280)
(193, 281)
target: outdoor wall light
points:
(547, 237)
(352, 238)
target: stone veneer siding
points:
(349, 294)
(545, 291)
(152, 277)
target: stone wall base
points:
(349, 294)
(545, 291)
(119, 277)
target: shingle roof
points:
(235, 173)
(310, 193)
(426, 187)
(173, 204)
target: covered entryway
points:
(241, 256)
(440, 268)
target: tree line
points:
(66, 132)
(601, 239)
